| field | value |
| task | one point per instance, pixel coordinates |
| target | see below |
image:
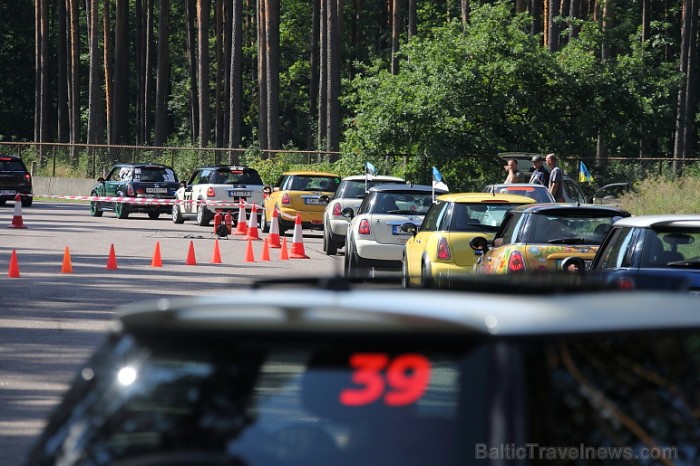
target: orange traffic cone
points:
(274, 236)
(249, 256)
(284, 254)
(298, 251)
(191, 259)
(241, 226)
(17, 217)
(67, 266)
(112, 259)
(216, 257)
(265, 251)
(156, 261)
(13, 270)
(253, 225)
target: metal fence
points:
(91, 161)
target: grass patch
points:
(663, 196)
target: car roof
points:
(309, 173)
(405, 188)
(228, 167)
(401, 311)
(569, 208)
(485, 197)
(127, 164)
(373, 178)
(657, 221)
(510, 185)
(8, 156)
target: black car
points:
(144, 182)
(385, 376)
(15, 179)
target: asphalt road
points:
(51, 321)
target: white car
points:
(351, 191)
(375, 237)
(227, 184)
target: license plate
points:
(239, 194)
(396, 230)
(312, 201)
(8, 192)
(156, 190)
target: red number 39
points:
(398, 382)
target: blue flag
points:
(437, 180)
(584, 176)
(369, 169)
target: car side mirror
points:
(266, 190)
(479, 244)
(276, 188)
(347, 213)
(573, 265)
(100, 180)
(324, 199)
(409, 227)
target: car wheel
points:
(177, 215)
(264, 226)
(121, 210)
(405, 277)
(153, 215)
(426, 278)
(353, 267)
(204, 215)
(27, 201)
(95, 210)
(329, 246)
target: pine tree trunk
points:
(74, 94)
(313, 74)
(63, 125)
(272, 57)
(219, 84)
(140, 55)
(203, 14)
(95, 129)
(262, 79)
(191, 15)
(395, 35)
(322, 75)
(236, 80)
(333, 68)
(162, 73)
(120, 109)
(106, 63)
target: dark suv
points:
(14, 179)
(145, 183)
(382, 376)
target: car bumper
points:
(8, 194)
(309, 220)
(372, 251)
(444, 272)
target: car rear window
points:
(276, 402)
(479, 216)
(237, 176)
(154, 175)
(401, 202)
(12, 166)
(538, 194)
(589, 228)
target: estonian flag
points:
(437, 180)
(584, 176)
(369, 169)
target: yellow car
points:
(440, 249)
(300, 192)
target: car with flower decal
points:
(538, 237)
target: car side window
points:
(283, 181)
(574, 191)
(434, 216)
(509, 227)
(618, 249)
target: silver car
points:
(350, 192)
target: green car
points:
(135, 180)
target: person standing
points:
(514, 175)
(556, 178)
(540, 175)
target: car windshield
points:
(538, 194)
(154, 175)
(236, 176)
(276, 402)
(478, 216)
(11, 166)
(315, 183)
(398, 202)
(567, 228)
(675, 248)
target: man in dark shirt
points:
(540, 175)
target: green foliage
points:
(660, 195)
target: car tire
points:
(405, 277)
(95, 210)
(153, 215)
(264, 226)
(177, 215)
(330, 248)
(204, 215)
(353, 269)
(27, 201)
(426, 279)
(121, 210)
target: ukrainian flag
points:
(584, 176)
